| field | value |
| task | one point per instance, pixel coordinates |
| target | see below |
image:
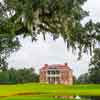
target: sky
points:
(36, 54)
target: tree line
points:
(13, 76)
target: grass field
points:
(32, 98)
(45, 91)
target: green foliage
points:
(4, 77)
(13, 76)
(94, 70)
(8, 45)
(8, 41)
(56, 17)
(26, 75)
(93, 75)
(83, 79)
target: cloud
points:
(93, 6)
(51, 52)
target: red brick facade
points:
(56, 74)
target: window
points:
(48, 72)
(53, 72)
(57, 72)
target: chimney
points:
(66, 63)
(46, 65)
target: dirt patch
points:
(4, 97)
(25, 94)
(28, 94)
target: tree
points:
(4, 77)
(13, 76)
(8, 41)
(83, 79)
(8, 44)
(26, 75)
(93, 75)
(94, 70)
(56, 17)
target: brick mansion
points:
(56, 74)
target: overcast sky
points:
(52, 52)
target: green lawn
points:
(36, 91)
(32, 98)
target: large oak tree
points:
(56, 17)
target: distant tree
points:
(26, 75)
(83, 79)
(12, 76)
(4, 77)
